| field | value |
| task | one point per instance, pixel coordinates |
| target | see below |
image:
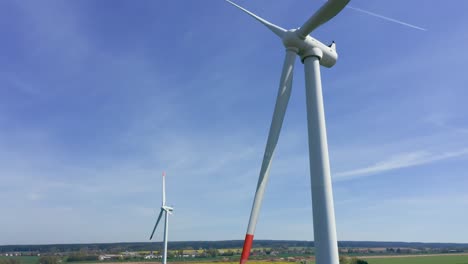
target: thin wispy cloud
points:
(400, 161)
(386, 18)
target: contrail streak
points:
(386, 18)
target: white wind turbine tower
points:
(166, 210)
(313, 53)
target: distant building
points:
(130, 254)
(152, 256)
(109, 257)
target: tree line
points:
(147, 246)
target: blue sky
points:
(97, 98)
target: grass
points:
(446, 259)
(250, 262)
(23, 259)
(449, 259)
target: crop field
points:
(23, 259)
(439, 259)
(205, 262)
(436, 259)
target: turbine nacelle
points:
(310, 46)
(299, 40)
(167, 208)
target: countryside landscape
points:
(228, 252)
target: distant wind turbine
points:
(166, 210)
(313, 53)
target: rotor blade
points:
(157, 222)
(164, 188)
(279, 31)
(329, 10)
(282, 100)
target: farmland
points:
(434, 259)
(439, 259)
(22, 259)
(228, 252)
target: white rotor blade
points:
(279, 31)
(329, 10)
(157, 222)
(164, 188)
(282, 100)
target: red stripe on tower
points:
(247, 247)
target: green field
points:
(420, 260)
(447, 259)
(23, 259)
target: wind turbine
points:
(166, 210)
(313, 53)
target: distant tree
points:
(212, 252)
(357, 261)
(170, 254)
(84, 250)
(113, 250)
(346, 260)
(180, 253)
(228, 253)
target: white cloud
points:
(399, 161)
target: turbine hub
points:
(167, 208)
(310, 47)
(292, 40)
